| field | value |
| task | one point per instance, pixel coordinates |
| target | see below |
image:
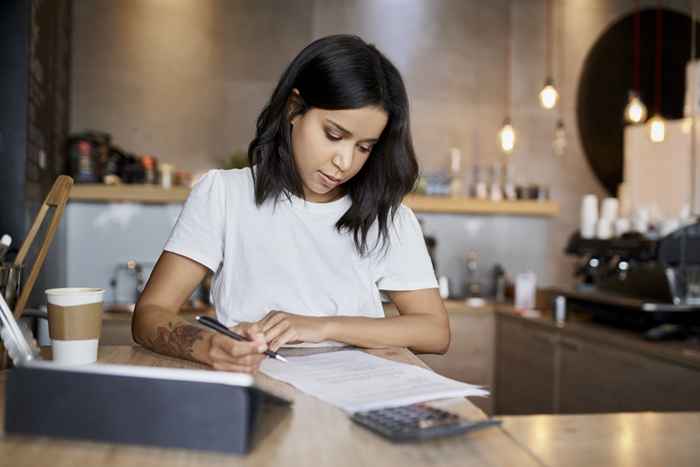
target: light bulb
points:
(507, 137)
(635, 111)
(549, 95)
(559, 143)
(657, 129)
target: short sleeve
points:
(199, 231)
(406, 264)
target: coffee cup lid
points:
(74, 290)
(70, 296)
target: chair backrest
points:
(56, 199)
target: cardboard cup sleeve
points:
(77, 322)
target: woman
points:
(303, 240)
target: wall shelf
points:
(133, 193)
(464, 205)
(425, 204)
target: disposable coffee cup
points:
(75, 323)
(610, 209)
(588, 229)
(604, 229)
(589, 208)
(589, 216)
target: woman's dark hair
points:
(332, 73)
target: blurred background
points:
(556, 140)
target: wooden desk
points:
(621, 439)
(311, 433)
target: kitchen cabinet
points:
(541, 368)
(470, 356)
(598, 378)
(525, 368)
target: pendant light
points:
(657, 125)
(506, 136)
(657, 129)
(548, 94)
(559, 142)
(636, 111)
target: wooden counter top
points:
(625, 439)
(316, 433)
(311, 433)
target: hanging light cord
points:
(693, 97)
(659, 49)
(561, 67)
(508, 38)
(548, 38)
(636, 51)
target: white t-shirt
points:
(289, 256)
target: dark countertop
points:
(577, 324)
(125, 312)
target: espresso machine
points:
(651, 285)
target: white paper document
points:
(354, 380)
(314, 345)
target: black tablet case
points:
(133, 410)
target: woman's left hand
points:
(280, 328)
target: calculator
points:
(417, 422)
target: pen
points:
(216, 325)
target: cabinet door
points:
(525, 358)
(470, 356)
(596, 378)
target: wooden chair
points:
(56, 199)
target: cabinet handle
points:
(571, 345)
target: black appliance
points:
(639, 282)
(92, 158)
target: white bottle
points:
(166, 176)
(495, 191)
(456, 188)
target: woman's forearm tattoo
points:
(176, 340)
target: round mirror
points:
(607, 77)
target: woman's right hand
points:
(227, 354)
